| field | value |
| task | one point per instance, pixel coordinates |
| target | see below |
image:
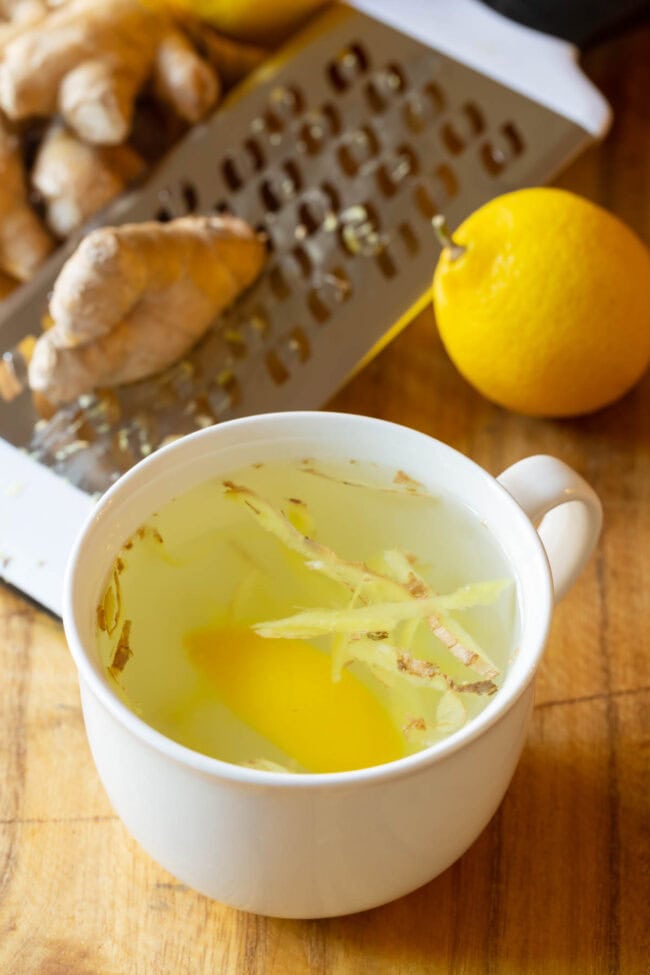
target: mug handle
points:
(565, 510)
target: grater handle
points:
(541, 67)
(582, 22)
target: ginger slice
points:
(90, 59)
(76, 179)
(133, 299)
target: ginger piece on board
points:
(89, 59)
(134, 299)
(75, 179)
(24, 242)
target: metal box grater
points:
(341, 149)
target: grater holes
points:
(227, 382)
(435, 95)
(317, 127)
(318, 209)
(259, 322)
(331, 195)
(256, 154)
(466, 125)
(424, 106)
(333, 118)
(348, 65)
(201, 410)
(286, 101)
(295, 266)
(190, 197)
(166, 210)
(302, 261)
(409, 238)
(360, 230)
(318, 307)
(386, 264)
(262, 232)
(496, 155)
(272, 126)
(394, 78)
(514, 138)
(221, 208)
(333, 289)
(452, 139)
(474, 117)
(385, 86)
(278, 283)
(424, 203)
(236, 343)
(360, 147)
(276, 368)
(281, 187)
(231, 174)
(375, 98)
(446, 182)
(299, 344)
(395, 170)
(311, 216)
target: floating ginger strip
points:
(371, 586)
(457, 640)
(379, 618)
(384, 657)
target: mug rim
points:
(89, 674)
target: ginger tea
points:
(308, 616)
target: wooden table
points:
(558, 882)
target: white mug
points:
(317, 845)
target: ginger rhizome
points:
(89, 60)
(24, 242)
(120, 81)
(134, 299)
(75, 179)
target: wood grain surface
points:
(557, 883)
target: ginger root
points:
(89, 59)
(75, 180)
(22, 11)
(24, 242)
(133, 299)
(233, 60)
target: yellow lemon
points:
(284, 690)
(258, 21)
(544, 304)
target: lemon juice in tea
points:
(308, 616)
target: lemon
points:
(544, 305)
(284, 690)
(258, 21)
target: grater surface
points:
(341, 149)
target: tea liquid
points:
(191, 583)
